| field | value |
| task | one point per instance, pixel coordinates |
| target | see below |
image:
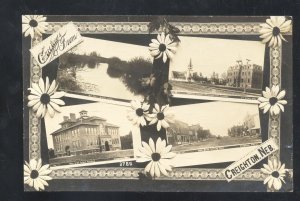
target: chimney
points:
(72, 116)
(66, 118)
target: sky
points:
(114, 114)
(210, 54)
(215, 116)
(108, 49)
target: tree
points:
(126, 141)
(51, 153)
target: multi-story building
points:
(86, 134)
(247, 75)
(181, 133)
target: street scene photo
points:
(103, 68)
(219, 68)
(88, 133)
(214, 125)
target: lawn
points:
(214, 142)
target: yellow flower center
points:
(139, 112)
(155, 156)
(33, 23)
(273, 100)
(34, 174)
(162, 47)
(45, 98)
(276, 31)
(160, 116)
(275, 174)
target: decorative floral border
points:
(142, 28)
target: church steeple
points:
(190, 64)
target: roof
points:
(72, 126)
(111, 125)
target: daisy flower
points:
(138, 112)
(32, 24)
(43, 98)
(275, 172)
(161, 116)
(272, 100)
(163, 47)
(272, 30)
(158, 155)
(36, 175)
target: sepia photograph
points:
(214, 125)
(220, 68)
(89, 133)
(103, 68)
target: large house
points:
(180, 133)
(245, 75)
(86, 134)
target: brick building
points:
(181, 133)
(245, 75)
(86, 134)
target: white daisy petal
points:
(147, 147)
(265, 171)
(267, 39)
(165, 57)
(33, 164)
(36, 106)
(154, 53)
(155, 42)
(27, 169)
(166, 149)
(40, 110)
(55, 107)
(44, 167)
(158, 125)
(153, 121)
(267, 179)
(156, 107)
(44, 177)
(58, 94)
(57, 101)
(148, 167)
(52, 88)
(262, 105)
(152, 145)
(158, 145)
(270, 182)
(42, 85)
(279, 41)
(277, 184)
(50, 110)
(275, 90)
(25, 19)
(281, 107)
(34, 92)
(162, 169)
(33, 97)
(155, 45)
(143, 121)
(157, 170)
(33, 102)
(266, 108)
(37, 88)
(281, 94)
(164, 124)
(152, 169)
(280, 21)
